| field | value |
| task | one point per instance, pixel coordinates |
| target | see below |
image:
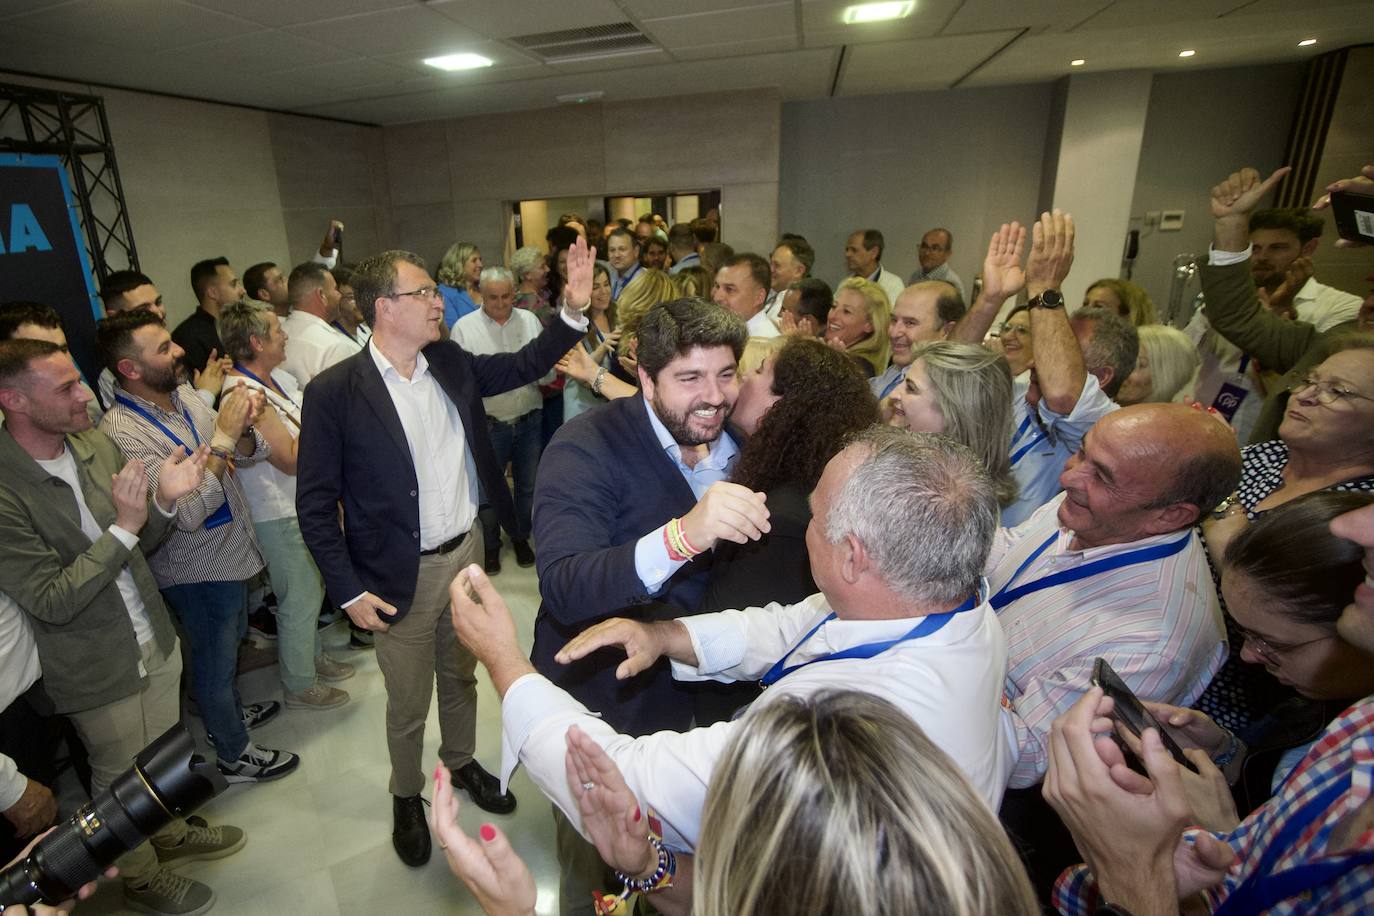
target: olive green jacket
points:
(66, 582)
(1290, 348)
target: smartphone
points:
(1129, 713)
(1354, 215)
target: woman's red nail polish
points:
(636, 814)
(488, 832)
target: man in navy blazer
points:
(397, 435)
(625, 493)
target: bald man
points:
(1113, 568)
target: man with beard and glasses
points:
(627, 500)
(211, 549)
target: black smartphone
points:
(1129, 713)
(1354, 215)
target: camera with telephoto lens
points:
(168, 780)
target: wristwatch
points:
(1049, 299)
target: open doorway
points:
(530, 220)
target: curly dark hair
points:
(823, 398)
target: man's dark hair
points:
(714, 255)
(656, 240)
(374, 276)
(624, 222)
(704, 231)
(1297, 220)
(815, 299)
(672, 329)
(560, 237)
(14, 314)
(874, 239)
(119, 283)
(343, 275)
(304, 280)
(622, 232)
(801, 250)
(255, 278)
(114, 336)
(203, 273)
(950, 306)
(1115, 345)
(18, 354)
(680, 236)
(758, 267)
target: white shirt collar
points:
(384, 365)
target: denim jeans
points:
(214, 618)
(518, 443)
(296, 583)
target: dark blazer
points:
(353, 450)
(604, 482)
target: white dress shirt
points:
(949, 683)
(761, 325)
(434, 431)
(1157, 623)
(890, 282)
(480, 334)
(772, 306)
(313, 345)
(18, 672)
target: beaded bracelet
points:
(1226, 756)
(663, 875)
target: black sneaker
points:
(361, 639)
(259, 764)
(263, 623)
(524, 554)
(255, 714)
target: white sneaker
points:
(259, 764)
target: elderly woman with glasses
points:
(1014, 340)
(1326, 442)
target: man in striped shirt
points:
(1111, 568)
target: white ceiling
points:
(361, 59)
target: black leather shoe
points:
(524, 554)
(484, 788)
(492, 565)
(409, 832)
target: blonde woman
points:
(1123, 297)
(1166, 363)
(458, 272)
(644, 292)
(962, 391)
(830, 803)
(858, 324)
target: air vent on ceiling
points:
(586, 44)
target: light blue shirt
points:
(691, 260)
(651, 553)
(1043, 441)
(885, 384)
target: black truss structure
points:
(38, 121)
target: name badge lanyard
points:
(221, 516)
(1007, 594)
(928, 625)
(1265, 887)
(622, 282)
(344, 331)
(1036, 439)
(267, 388)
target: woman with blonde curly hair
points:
(643, 293)
(858, 324)
(458, 273)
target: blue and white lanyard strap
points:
(892, 384)
(138, 409)
(928, 625)
(1265, 887)
(1007, 594)
(1037, 437)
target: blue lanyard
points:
(1006, 594)
(928, 625)
(158, 423)
(270, 381)
(1264, 887)
(1021, 431)
(621, 282)
(892, 384)
(344, 331)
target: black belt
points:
(448, 546)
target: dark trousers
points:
(1045, 844)
(518, 443)
(29, 734)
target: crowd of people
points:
(853, 596)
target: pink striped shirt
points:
(1157, 623)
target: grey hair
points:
(238, 323)
(524, 262)
(1172, 358)
(497, 274)
(838, 802)
(1115, 345)
(923, 507)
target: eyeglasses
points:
(424, 292)
(1271, 653)
(1019, 330)
(1326, 392)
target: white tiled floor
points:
(319, 840)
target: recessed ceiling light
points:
(1187, 53)
(878, 12)
(1307, 42)
(1077, 62)
(458, 62)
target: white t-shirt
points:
(271, 493)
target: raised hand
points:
(640, 641)
(1240, 193)
(729, 512)
(180, 474)
(1003, 275)
(610, 812)
(211, 379)
(1051, 254)
(130, 491)
(577, 294)
(577, 364)
(492, 871)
